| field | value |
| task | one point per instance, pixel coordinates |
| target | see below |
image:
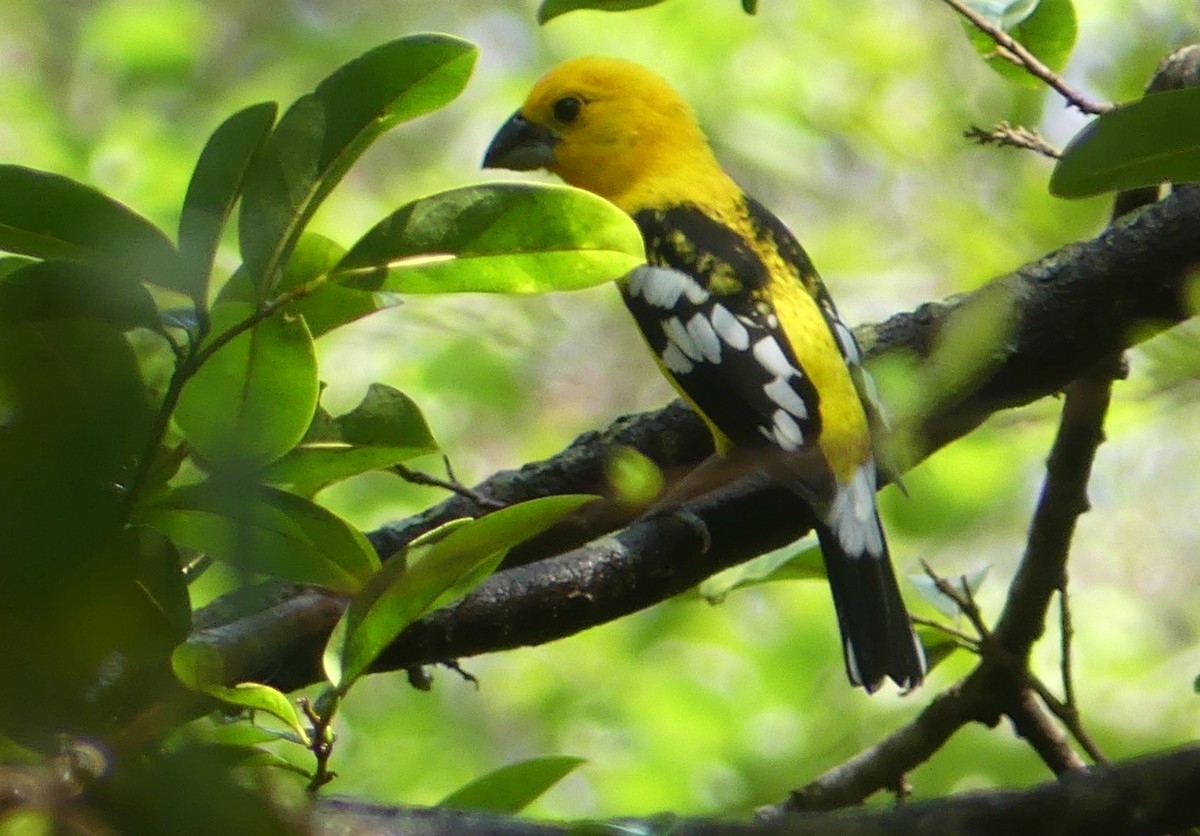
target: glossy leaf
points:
(1004, 13)
(410, 585)
(253, 399)
(551, 9)
(201, 668)
(266, 530)
(55, 289)
(1048, 32)
(1151, 141)
(386, 428)
(323, 133)
(214, 189)
(512, 788)
(496, 238)
(50, 216)
(160, 579)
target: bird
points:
(739, 321)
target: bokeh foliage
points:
(845, 118)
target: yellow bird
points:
(738, 320)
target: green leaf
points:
(44, 290)
(323, 133)
(266, 530)
(1048, 32)
(496, 238)
(941, 602)
(938, 645)
(252, 400)
(512, 788)
(1004, 13)
(635, 479)
(551, 9)
(201, 668)
(411, 584)
(327, 305)
(386, 428)
(750, 6)
(50, 216)
(10, 263)
(780, 565)
(1151, 141)
(214, 189)
(161, 581)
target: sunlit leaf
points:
(1048, 32)
(551, 9)
(1151, 141)
(50, 216)
(942, 602)
(323, 133)
(784, 564)
(201, 668)
(496, 238)
(512, 788)
(253, 399)
(411, 585)
(263, 529)
(214, 189)
(386, 428)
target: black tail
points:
(877, 637)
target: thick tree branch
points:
(1077, 305)
(1150, 795)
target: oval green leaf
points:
(50, 216)
(253, 399)
(512, 788)
(496, 238)
(214, 189)
(200, 668)
(323, 133)
(1151, 141)
(266, 530)
(416, 582)
(551, 9)
(386, 428)
(1048, 32)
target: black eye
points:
(566, 110)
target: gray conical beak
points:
(521, 145)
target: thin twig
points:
(1013, 136)
(417, 477)
(1015, 52)
(964, 641)
(1066, 634)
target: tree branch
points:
(1149, 795)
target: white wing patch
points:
(674, 360)
(787, 433)
(732, 331)
(770, 356)
(849, 345)
(852, 515)
(704, 336)
(781, 392)
(662, 287)
(679, 337)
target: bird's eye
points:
(566, 109)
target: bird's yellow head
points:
(612, 127)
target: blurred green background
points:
(846, 118)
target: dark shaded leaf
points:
(551, 9)
(1151, 141)
(44, 290)
(266, 530)
(214, 189)
(50, 216)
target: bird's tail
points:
(877, 636)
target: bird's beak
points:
(521, 145)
